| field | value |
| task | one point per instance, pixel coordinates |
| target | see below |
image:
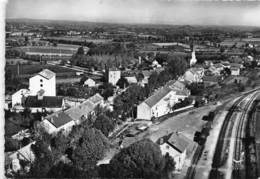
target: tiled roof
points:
(97, 98)
(146, 73)
(83, 109)
(237, 65)
(48, 74)
(179, 142)
(47, 101)
(131, 79)
(59, 119)
(157, 96)
(218, 65)
(75, 113)
(210, 78)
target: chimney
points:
(161, 141)
(40, 95)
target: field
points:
(32, 69)
(51, 50)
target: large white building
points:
(113, 76)
(44, 80)
(161, 102)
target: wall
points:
(143, 111)
(48, 85)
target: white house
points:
(45, 80)
(58, 121)
(113, 76)
(155, 64)
(17, 97)
(90, 83)
(161, 102)
(235, 71)
(194, 75)
(176, 146)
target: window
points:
(40, 80)
(41, 85)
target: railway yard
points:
(229, 151)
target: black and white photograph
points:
(135, 89)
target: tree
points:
(142, 159)
(108, 90)
(140, 77)
(80, 51)
(83, 79)
(104, 124)
(43, 159)
(122, 83)
(89, 147)
(176, 66)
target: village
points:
(116, 88)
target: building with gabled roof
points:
(43, 103)
(44, 80)
(161, 102)
(176, 145)
(64, 120)
(194, 75)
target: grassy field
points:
(32, 69)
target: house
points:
(44, 80)
(161, 102)
(219, 67)
(155, 64)
(65, 120)
(24, 153)
(41, 103)
(236, 65)
(131, 79)
(90, 83)
(113, 75)
(216, 69)
(57, 121)
(17, 97)
(176, 145)
(235, 71)
(194, 75)
(146, 74)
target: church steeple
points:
(193, 60)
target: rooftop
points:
(157, 96)
(48, 74)
(58, 119)
(47, 101)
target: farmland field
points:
(32, 69)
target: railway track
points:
(222, 147)
(238, 157)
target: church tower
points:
(193, 60)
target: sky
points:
(180, 12)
